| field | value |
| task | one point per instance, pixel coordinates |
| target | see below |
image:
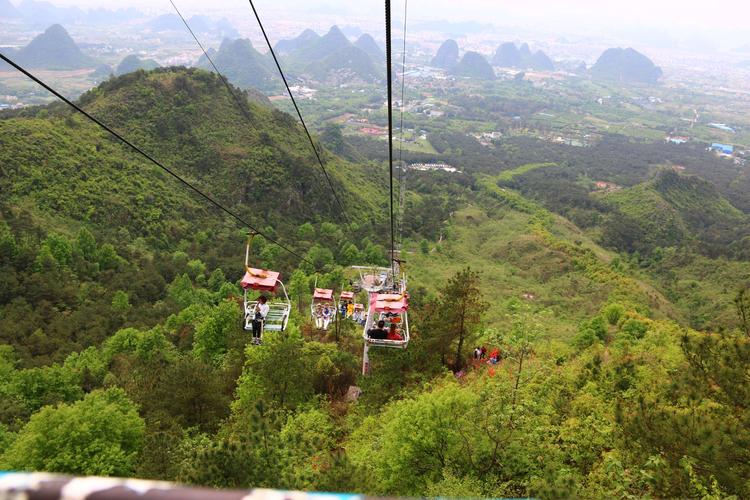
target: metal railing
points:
(44, 486)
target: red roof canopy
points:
(359, 307)
(390, 302)
(347, 295)
(323, 294)
(259, 279)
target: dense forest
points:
(623, 358)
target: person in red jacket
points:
(393, 333)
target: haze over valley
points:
(528, 277)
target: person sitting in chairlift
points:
(349, 310)
(260, 311)
(326, 317)
(319, 317)
(393, 333)
(378, 333)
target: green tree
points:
(121, 302)
(86, 244)
(742, 304)
(211, 338)
(424, 247)
(457, 314)
(107, 257)
(8, 247)
(196, 268)
(306, 232)
(216, 280)
(101, 434)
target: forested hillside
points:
(621, 362)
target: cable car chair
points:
(346, 298)
(264, 281)
(374, 279)
(392, 308)
(323, 297)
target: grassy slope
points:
(522, 248)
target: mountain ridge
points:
(54, 49)
(446, 56)
(626, 65)
(509, 56)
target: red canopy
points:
(390, 302)
(347, 295)
(323, 294)
(259, 279)
(358, 307)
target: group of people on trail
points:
(480, 353)
(380, 333)
(260, 311)
(323, 315)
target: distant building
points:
(424, 167)
(606, 186)
(722, 148)
(722, 126)
(677, 139)
(373, 131)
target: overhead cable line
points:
(402, 167)
(299, 113)
(153, 160)
(389, 76)
(234, 95)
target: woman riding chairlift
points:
(261, 314)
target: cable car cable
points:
(223, 79)
(152, 159)
(299, 113)
(402, 169)
(389, 76)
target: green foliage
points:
(455, 317)
(613, 312)
(121, 302)
(146, 345)
(211, 338)
(100, 435)
(695, 415)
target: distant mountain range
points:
(54, 49)
(304, 39)
(44, 13)
(447, 55)
(8, 10)
(134, 63)
(474, 65)
(370, 47)
(166, 22)
(198, 23)
(510, 56)
(626, 65)
(333, 56)
(242, 65)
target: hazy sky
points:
(685, 18)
